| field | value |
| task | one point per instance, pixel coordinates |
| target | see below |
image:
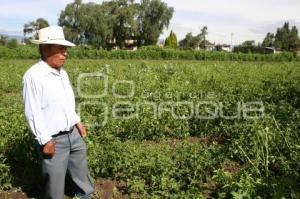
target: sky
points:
(228, 21)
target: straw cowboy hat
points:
(52, 35)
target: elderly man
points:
(50, 112)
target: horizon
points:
(228, 21)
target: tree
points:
(190, 42)
(3, 40)
(114, 22)
(100, 25)
(287, 39)
(153, 17)
(248, 43)
(202, 38)
(293, 40)
(171, 40)
(249, 46)
(69, 20)
(123, 14)
(193, 42)
(96, 28)
(12, 43)
(31, 28)
(269, 40)
(41, 23)
(86, 24)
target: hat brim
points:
(58, 42)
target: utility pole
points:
(231, 46)
(231, 35)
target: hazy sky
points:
(247, 20)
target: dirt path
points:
(104, 189)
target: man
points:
(50, 112)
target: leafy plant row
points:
(165, 156)
(151, 53)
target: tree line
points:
(125, 23)
(9, 43)
(112, 23)
(286, 38)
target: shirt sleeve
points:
(32, 94)
(77, 118)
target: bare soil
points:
(104, 189)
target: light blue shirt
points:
(49, 101)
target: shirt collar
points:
(48, 69)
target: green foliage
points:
(3, 40)
(123, 13)
(248, 43)
(189, 42)
(147, 52)
(202, 35)
(168, 157)
(114, 23)
(269, 40)
(9, 43)
(154, 16)
(285, 38)
(31, 28)
(155, 169)
(69, 20)
(241, 186)
(12, 43)
(194, 42)
(171, 40)
(5, 177)
(249, 47)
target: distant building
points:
(223, 47)
(130, 44)
(208, 47)
(272, 50)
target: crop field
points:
(170, 129)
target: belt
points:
(63, 133)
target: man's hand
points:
(81, 129)
(49, 148)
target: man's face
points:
(55, 55)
